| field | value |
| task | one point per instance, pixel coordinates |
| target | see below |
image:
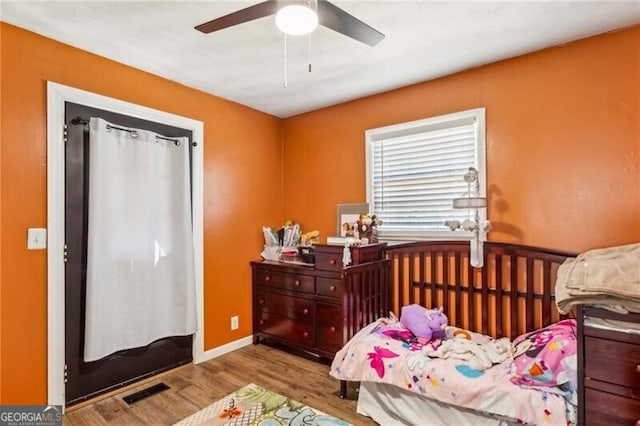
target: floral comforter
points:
(385, 351)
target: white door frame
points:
(57, 95)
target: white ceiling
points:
(245, 63)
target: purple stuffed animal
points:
(426, 323)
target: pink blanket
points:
(385, 351)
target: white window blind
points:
(414, 171)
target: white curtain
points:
(140, 261)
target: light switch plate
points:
(37, 238)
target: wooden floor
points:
(197, 386)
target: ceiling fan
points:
(324, 13)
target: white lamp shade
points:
(469, 203)
(296, 19)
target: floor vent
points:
(145, 393)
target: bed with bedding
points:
(506, 356)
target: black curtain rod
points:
(79, 120)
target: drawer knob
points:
(305, 334)
(305, 311)
(637, 422)
(332, 287)
(296, 283)
(332, 329)
(332, 262)
(267, 278)
(638, 371)
(261, 322)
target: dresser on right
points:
(608, 367)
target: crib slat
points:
(445, 280)
(412, 279)
(457, 281)
(513, 329)
(499, 295)
(546, 292)
(370, 299)
(471, 283)
(484, 301)
(401, 284)
(530, 308)
(423, 281)
(433, 278)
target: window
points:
(415, 170)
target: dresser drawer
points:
(287, 306)
(286, 328)
(606, 409)
(329, 338)
(612, 361)
(329, 327)
(329, 257)
(284, 281)
(330, 287)
(329, 260)
(329, 314)
(269, 278)
(299, 283)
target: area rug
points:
(255, 406)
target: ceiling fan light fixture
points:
(296, 19)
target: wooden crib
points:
(511, 294)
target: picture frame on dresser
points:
(349, 213)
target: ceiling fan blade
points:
(250, 13)
(338, 20)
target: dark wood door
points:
(84, 380)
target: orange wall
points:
(563, 144)
(242, 152)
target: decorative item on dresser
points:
(317, 308)
(608, 367)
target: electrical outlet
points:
(234, 322)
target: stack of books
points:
(335, 240)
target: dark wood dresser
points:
(318, 308)
(608, 370)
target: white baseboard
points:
(224, 349)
